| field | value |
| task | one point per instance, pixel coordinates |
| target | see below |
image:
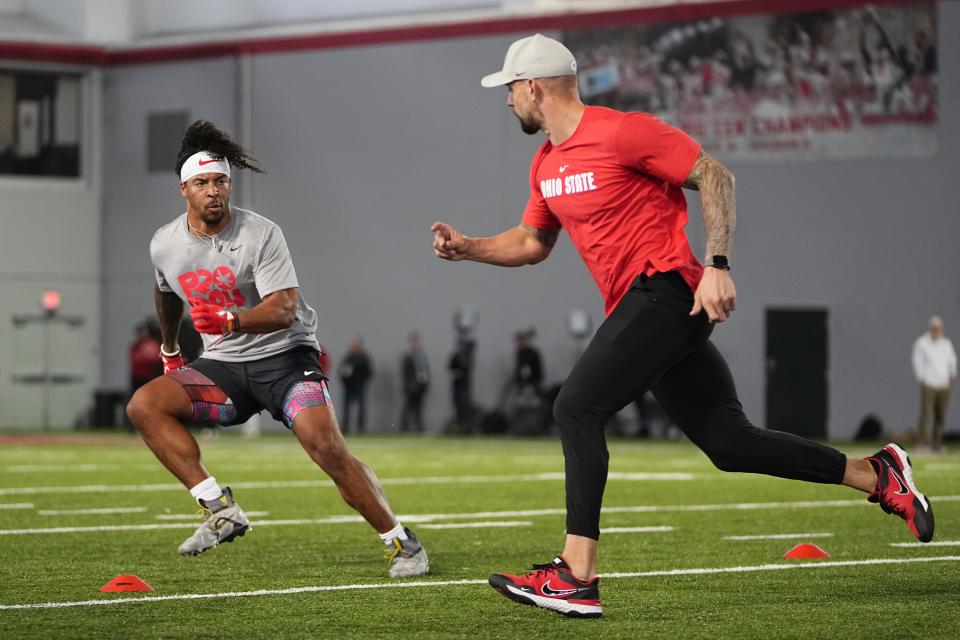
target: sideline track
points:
(450, 583)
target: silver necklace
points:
(215, 244)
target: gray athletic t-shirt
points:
(246, 261)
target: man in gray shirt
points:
(233, 269)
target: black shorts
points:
(250, 386)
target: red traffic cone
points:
(126, 583)
(806, 550)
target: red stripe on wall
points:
(74, 54)
(172, 53)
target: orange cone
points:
(126, 583)
(806, 550)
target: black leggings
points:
(650, 341)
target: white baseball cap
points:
(536, 56)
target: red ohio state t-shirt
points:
(615, 186)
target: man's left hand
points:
(716, 295)
(212, 318)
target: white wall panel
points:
(50, 238)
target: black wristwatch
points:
(719, 262)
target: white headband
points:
(204, 162)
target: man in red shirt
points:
(145, 362)
(614, 181)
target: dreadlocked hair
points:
(203, 135)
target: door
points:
(797, 371)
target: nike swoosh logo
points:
(309, 373)
(519, 73)
(234, 248)
(549, 591)
(203, 162)
(904, 489)
(564, 168)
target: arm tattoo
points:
(547, 237)
(718, 201)
(169, 313)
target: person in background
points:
(145, 363)
(416, 381)
(355, 373)
(935, 365)
(527, 412)
(528, 367)
(460, 366)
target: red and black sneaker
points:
(897, 494)
(553, 587)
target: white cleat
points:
(407, 558)
(223, 520)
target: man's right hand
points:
(448, 243)
(172, 361)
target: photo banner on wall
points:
(859, 81)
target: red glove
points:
(211, 318)
(172, 361)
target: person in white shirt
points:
(935, 365)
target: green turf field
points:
(298, 543)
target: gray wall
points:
(50, 239)
(365, 147)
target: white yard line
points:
(636, 530)
(778, 567)
(475, 525)
(106, 527)
(940, 466)
(58, 468)
(642, 476)
(91, 488)
(196, 516)
(16, 505)
(780, 536)
(450, 583)
(537, 477)
(85, 512)
(935, 543)
(483, 515)
(307, 484)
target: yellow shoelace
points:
(202, 511)
(392, 551)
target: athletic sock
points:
(398, 532)
(208, 490)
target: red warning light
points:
(51, 300)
